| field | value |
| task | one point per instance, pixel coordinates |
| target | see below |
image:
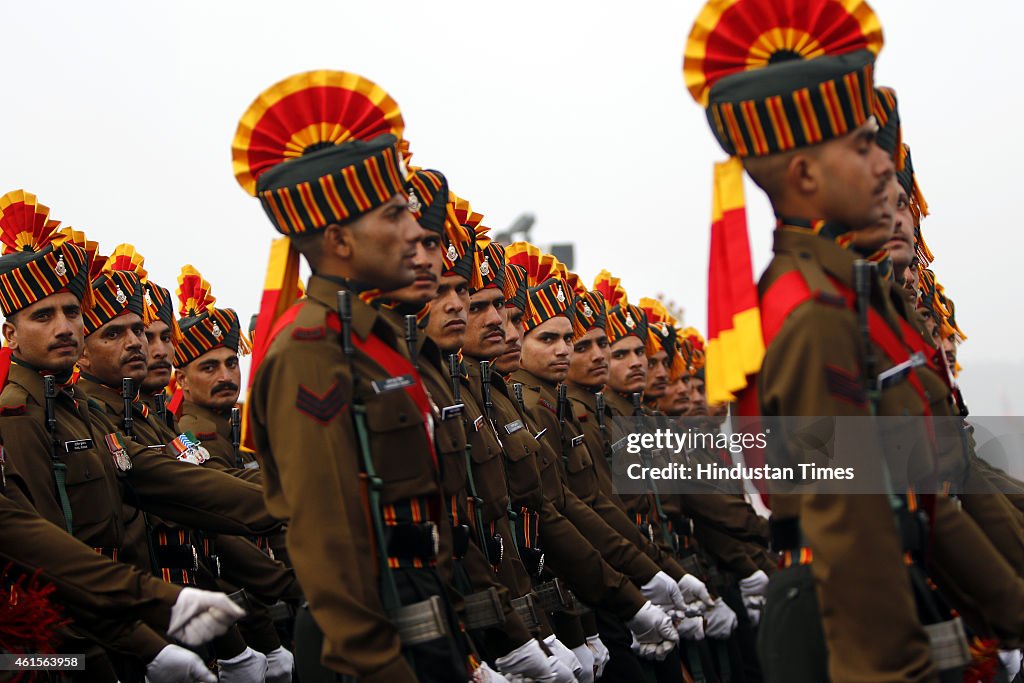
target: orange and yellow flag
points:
(735, 346)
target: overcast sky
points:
(120, 117)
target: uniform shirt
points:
(301, 415)
(214, 430)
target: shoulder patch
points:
(12, 411)
(547, 405)
(830, 299)
(309, 333)
(845, 385)
(321, 407)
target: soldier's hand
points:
(651, 625)
(485, 674)
(175, 664)
(601, 654)
(652, 651)
(586, 657)
(694, 590)
(754, 604)
(663, 592)
(244, 668)
(690, 628)
(529, 662)
(755, 584)
(565, 656)
(200, 616)
(280, 663)
(1010, 659)
(720, 621)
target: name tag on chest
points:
(382, 386)
(478, 423)
(449, 412)
(576, 441)
(513, 427)
(77, 445)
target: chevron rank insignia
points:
(321, 407)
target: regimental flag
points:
(735, 345)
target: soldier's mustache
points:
(224, 386)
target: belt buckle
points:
(420, 622)
(527, 611)
(483, 609)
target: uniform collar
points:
(585, 396)
(618, 403)
(220, 420)
(365, 318)
(830, 231)
(527, 378)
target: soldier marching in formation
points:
(423, 481)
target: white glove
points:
(754, 584)
(652, 625)
(1010, 659)
(663, 592)
(564, 655)
(652, 651)
(485, 674)
(280, 663)
(528, 661)
(694, 590)
(200, 616)
(175, 664)
(720, 621)
(601, 654)
(690, 628)
(248, 667)
(586, 657)
(754, 604)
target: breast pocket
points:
(398, 445)
(90, 487)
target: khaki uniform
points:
(861, 604)
(313, 475)
(450, 440)
(214, 430)
(587, 483)
(95, 484)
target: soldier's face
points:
(669, 402)
(627, 369)
(657, 374)
(380, 247)
(446, 325)
(590, 356)
(949, 348)
(509, 360)
(213, 380)
(853, 177)
(48, 334)
(485, 326)
(117, 350)
(910, 278)
(547, 349)
(698, 401)
(161, 354)
(901, 245)
(428, 265)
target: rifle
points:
(863, 274)
(60, 469)
(411, 339)
(236, 435)
(127, 399)
(161, 406)
(485, 386)
(421, 621)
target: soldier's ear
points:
(84, 362)
(339, 239)
(803, 174)
(10, 333)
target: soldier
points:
(64, 458)
(446, 263)
(90, 586)
(208, 375)
(830, 186)
(338, 413)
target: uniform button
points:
(88, 473)
(792, 593)
(402, 417)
